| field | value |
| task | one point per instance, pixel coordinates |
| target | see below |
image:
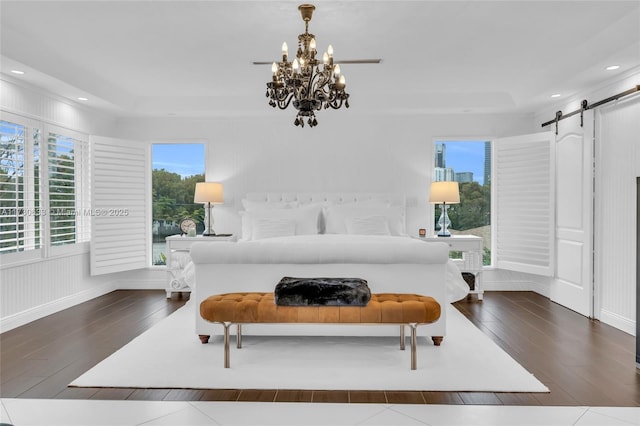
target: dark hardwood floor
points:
(583, 362)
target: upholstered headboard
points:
(326, 197)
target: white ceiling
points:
(193, 58)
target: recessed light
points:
(612, 67)
(83, 99)
(556, 95)
(17, 72)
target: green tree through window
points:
(175, 171)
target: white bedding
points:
(337, 249)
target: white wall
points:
(617, 164)
(32, 102)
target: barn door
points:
(572, 285)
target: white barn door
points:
(572, 285)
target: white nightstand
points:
(177, 252)
(471, 248)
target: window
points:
(176, 168)
(20, 225)
(469, 164)
(44, 190)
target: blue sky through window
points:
(186, 159)
(466, 156)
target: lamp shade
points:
(208, 192)
(444, 192)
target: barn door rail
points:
(584, 105)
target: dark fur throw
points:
(322, 292)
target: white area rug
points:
(169, 355)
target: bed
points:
(325, 235)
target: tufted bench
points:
(383, 308)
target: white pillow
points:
(368, 225)
(372, 203)
(250, 205)
(337, 215)
(245, 221)
(269, 228)
(305, 218)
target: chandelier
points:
(310, 85)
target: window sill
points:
(12, 260)
(157, 267)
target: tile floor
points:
(59, 412)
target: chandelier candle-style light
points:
(310, 85)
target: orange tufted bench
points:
(383, 308)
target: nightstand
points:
(472, 249)
(177, 252)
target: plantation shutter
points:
(68, 187)
(524, 206)
(119, 205)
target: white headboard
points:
(228, 219)
(330, 198)
(326, 197)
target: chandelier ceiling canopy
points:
(305, 82)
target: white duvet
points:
(335, 248)
(340, 248)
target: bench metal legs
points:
(414, 353)
(226, 344)
(413, 327)
(227, 355)
(414, 343)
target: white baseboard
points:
(21, 318)
(503, 280)
(506, 286)
(615, 320)
(539, 288)
(140, 284)
(543, 289)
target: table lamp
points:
(211, 194)
(444, 193)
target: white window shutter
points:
(119, 205)
(524, 208)
(68, 177)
